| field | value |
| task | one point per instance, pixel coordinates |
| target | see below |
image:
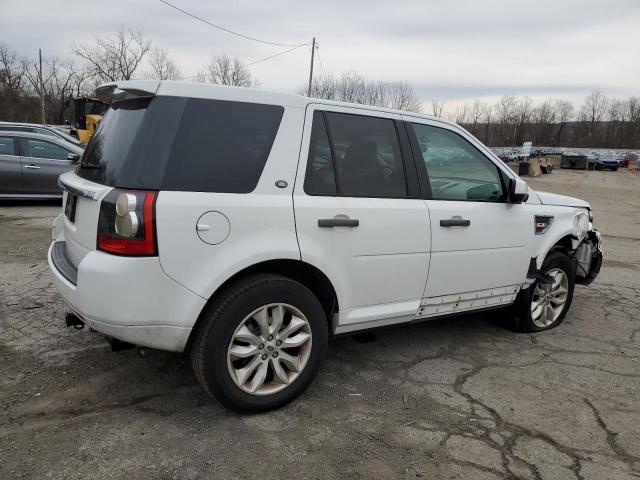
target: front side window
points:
(7, 146)
(355, 156)
(41, 149)
(456, 169)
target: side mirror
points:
(518, 190)
(74, 157)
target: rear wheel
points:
(260, 343)
(544, 306)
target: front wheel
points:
(544, 306)
(260, 343)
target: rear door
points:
(10, 171)
(42, 163)
(479, 253)
(359, 216)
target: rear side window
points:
(7, 146)
(320, 178)
(182, 144)
(365, 157)
(41, 149)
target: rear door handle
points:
(338, 222)
(455, 222)
(33, 167)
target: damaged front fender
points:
(588, 258)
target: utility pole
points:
(313, 52)
(41, 86)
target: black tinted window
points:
(7, 146)
(457, 170)
(320, 178)
(363, 160)
(175, 143)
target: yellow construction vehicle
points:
(87, 113)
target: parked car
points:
(246, 227)
(41, 129)
(629, 159)
(30, 164)
(607, 160)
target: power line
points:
(230, 31)
(252, 63)
(276, 55)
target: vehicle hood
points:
(547, 198)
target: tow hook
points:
(72, 320)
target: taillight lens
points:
(126, 225)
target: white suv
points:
(246, 227)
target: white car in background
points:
(246, 227)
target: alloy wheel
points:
(549, 299)
(269, 349)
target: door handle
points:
(33, 167)
(338, 222)
(455, 222)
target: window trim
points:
(404, 154)
(423, 172)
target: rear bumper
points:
(130, 299)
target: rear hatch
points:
(148, 143)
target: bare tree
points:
(12, 69)
(200, 77)
(564, 113)
(324, 86)
(437, 107)
(225, 70)
(162, 67)
(112, 59)
(402, 97)
(351, 87)
(506, 116)
(461, 114)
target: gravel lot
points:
(455, 398)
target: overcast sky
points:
(454, 50)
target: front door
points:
(359, 216)
(42, 163)
(10, 171)
(479, 254)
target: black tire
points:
(520, 316)
(219, 322)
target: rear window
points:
(182, 144)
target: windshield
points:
(179, 143)
(68, 137)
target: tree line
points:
(599, 121)
(126, 55)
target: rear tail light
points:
(126, 225)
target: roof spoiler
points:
(125, 90)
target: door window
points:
(7, 146)
(41, 149)
(354, 156)
(456, 169)
(320, 178)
